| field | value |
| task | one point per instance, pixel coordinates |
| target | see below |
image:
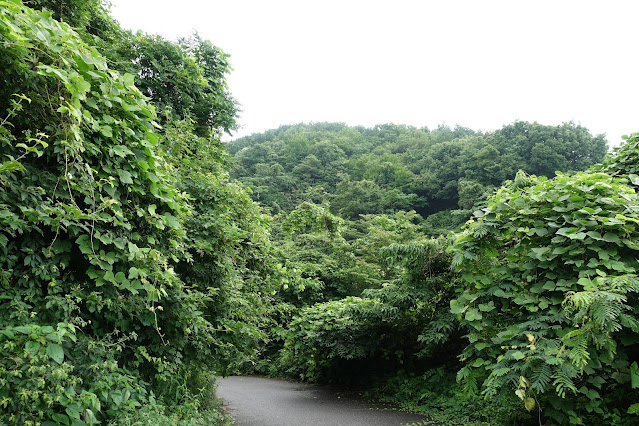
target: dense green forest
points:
(390, 167)
(478, 277)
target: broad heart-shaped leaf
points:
(116, 396)
(172, 220)
(90, 417)
(9, 333)
(567, 231)
(593, 395)
(107, 131)
(32, 346)
(500, 293)
(125, 176)
(611, 238)
(56, 352)
(128, 79)
(541, 231)
(487, 307)
(74, 411)
(473, 315)
(133, 272)
(121, 151)
(152, 138)
(539, 252)
(456, 307)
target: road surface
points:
(259, 401)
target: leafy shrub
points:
(228, 247)
(549, 301)
(42, 385)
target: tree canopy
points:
(390, 168)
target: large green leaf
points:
(56, 352)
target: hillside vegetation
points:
(391, 167)
(451, 271)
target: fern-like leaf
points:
(541, 378)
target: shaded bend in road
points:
(258, 401)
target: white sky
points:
(480, 64)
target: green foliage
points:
(375, 232)
(371, 177)
(384, 328)
(392, 168)
(550, 272)
(311, 217)
(424, 290)
(567, 147)
(112, 312)
(78, 14)
(312, 247)
(228, 244)
(89, 222)
(35, 370)
(104, 310)
(184, 80)
(625, 159)
(324, 332)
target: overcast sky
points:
(480, 64)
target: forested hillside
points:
(390, 168)
(451, 271)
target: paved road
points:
(258, 401)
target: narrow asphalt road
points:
(259, 401)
